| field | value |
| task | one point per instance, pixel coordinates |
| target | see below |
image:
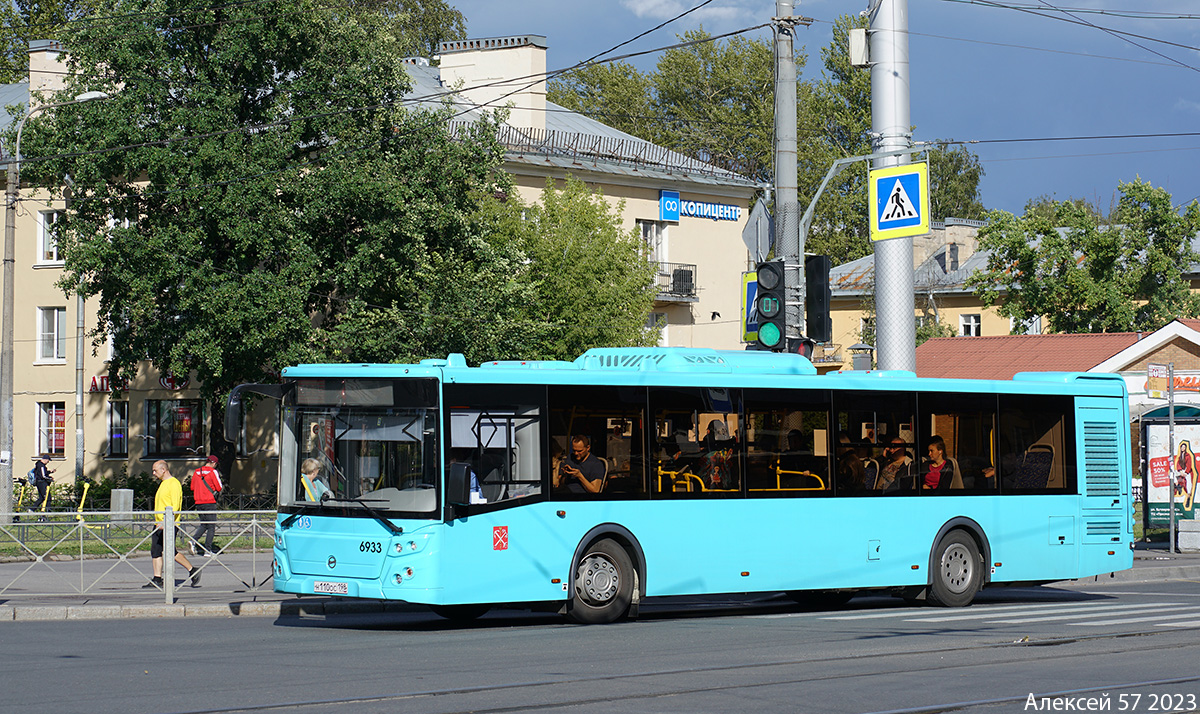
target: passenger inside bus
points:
(718, 464)
(582, 472)
(896, 472)
(938, 471)
(851, 476)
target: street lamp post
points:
(6, 337)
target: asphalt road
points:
(876, 654)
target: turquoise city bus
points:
(691, 471)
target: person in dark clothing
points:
(583, 472)
(42, 481)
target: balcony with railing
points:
(676, 282)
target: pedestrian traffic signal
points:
(817, 296)
(770, 305)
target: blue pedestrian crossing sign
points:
(899, 201)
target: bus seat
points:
(956, 481)
(1034, 471)
(607, 471)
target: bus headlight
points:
(399, 579)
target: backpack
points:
(31, 477)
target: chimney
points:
(47, 66)
(500, 71)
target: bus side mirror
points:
(458, 484)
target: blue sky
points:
(978, 73)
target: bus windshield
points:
(384, 456)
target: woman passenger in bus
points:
(310, 479)
(938, 471)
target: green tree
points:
(420, 25)
(24, 20)
(1083, 275)
(254, 195)
(616, 93)
(954, 176)
(592, 286)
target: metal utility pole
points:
(789, 242)
(787, 205)
(895, 323)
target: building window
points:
(969, 325)
(1032, 326)
(174, 427)
(118, 429)
(52, 341)
(658, 320)
(52, 428)
(654, 237)
(47, 245)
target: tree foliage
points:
(592, 286)
(253, 194)
(1060, 261)
(22, 21)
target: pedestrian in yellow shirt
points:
(169, 494)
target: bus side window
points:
(605, 427)
(699, 442)
(966, 426)
(1036, 453)
(497, 429)
(787, 444)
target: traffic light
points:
(817, 296)
(770, 306)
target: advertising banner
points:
(182, 427)
(1187, 465)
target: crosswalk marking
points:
(1194, 615)
(1129, 610)
(975, 613)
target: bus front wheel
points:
(603, 587)
(958, 569)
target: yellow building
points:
(690, 214)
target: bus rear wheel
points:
(603, 585)
(958, 571)
(460, 613)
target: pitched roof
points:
(1002, 357)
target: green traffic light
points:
(769, 334)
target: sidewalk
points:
(230, 588)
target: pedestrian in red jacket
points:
(206, 484)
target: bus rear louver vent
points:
(1102, 531)
(1100, 459)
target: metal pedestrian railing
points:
(91, 553)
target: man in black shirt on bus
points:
(584, 473)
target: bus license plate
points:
(322, 586)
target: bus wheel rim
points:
(957, 569)
(600, 579)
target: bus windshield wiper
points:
(396, 530)
(304, 508)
